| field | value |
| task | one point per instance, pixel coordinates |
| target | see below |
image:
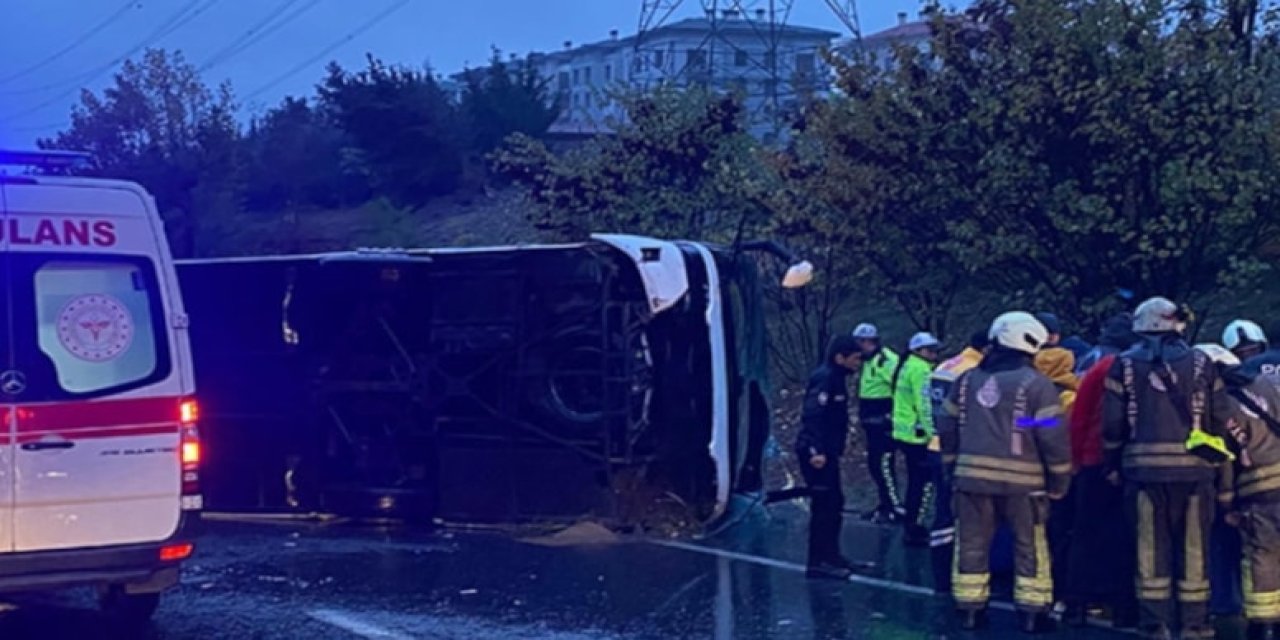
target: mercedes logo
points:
(13, 382)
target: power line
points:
(258, 32)
(75, 44)
(180, 19)
(302, 66)
(188, 12)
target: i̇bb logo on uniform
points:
(95, 327)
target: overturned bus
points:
(503, 384)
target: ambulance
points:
(100, 454)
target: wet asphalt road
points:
(299, 580)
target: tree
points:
(403, 129)
(294, 160)
(1128, 146)
(160, 125)
(678, 164)
(874, 177)
(504, 98)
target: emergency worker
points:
(1099, 560)
(1116, 337)
(943, 536)
(913, 431)
(1002, 427)
(875, 408)
(1163, 414)
(819, 445)
(1242, 338)
(1253, 498)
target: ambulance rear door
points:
(97, 420)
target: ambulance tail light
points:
(190, 452)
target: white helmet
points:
(1158, 315)
(1219, 354)
(866, 331)
(922, 340)
(1020, 331)
(1241, 332)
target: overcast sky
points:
(47, 56)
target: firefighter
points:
(1001, 427)
(875, 407)
(819, 445)
(1163, 412)
(943, 536)
(1253, 498)
(913, 431)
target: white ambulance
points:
(99, 457)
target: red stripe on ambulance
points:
(111, 417)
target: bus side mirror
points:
(798, 275)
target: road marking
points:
(880, 583)
(354, 625)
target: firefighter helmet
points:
(1020, 331)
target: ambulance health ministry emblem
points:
(989, 393)
(95, 327)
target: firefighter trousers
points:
(1260, 527)
(826, 511)
(873, 416)
(1172, 521)
(977, 518)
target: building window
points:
(695, 59)
(770, 58)
(805, 64)
(740, 58)
(608, 72)
(658, 59)
(586, 75)
(577, 76)
(564, 80)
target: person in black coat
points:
(819, 445)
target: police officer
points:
(875, 407)
(1163, 412)
(1002, 427)
(1249, 343)
(819, 445)
(913, 430)
(1253, 499)
(942, 538)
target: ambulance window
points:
(98, 322)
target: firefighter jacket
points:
(876, 380)
(824, 421)
(1257, 467)
(1002, 427)
(912, 402)
(1144, 432)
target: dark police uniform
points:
(1169, 492)
(1266, 363)
(1003, 430)
(823, 430)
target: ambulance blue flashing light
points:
(43, 159)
